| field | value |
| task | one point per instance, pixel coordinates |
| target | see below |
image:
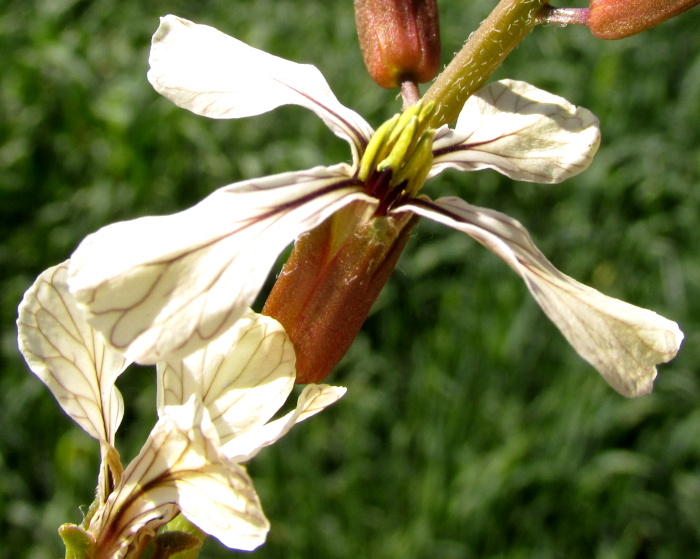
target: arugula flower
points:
(214, 412)
(159, 287)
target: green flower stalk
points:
(482, 54)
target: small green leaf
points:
(79, 544)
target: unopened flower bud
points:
(617, 19)
(400, 40)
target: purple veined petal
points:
(243, 377)
(523, 132)
(623, 342)
(212, 74)
(180, 468)
(75, 364)
(313, 399)
(159, 288)
(69, 357)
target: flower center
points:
(399, 156)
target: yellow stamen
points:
(402, 144)
(416, 169)
(372, 153)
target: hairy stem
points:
(409, 93)
(485, 50)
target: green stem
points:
(485, 50)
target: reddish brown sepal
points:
(330, 282)
(617, 19)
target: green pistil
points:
(400, 149)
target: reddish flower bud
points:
(617, 19)
(400, 40)
(330, 282)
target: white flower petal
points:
(158, 286)
(69, 357)
(209, 73)
(623, 342)
(180, 466)
(313, 399)
(243, 377)
(523, 132)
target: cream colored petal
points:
(179, 467)
(623, 342)
(523, 132)
(69, 357)
(244, 376)
(313, 399)
(214, 75)
(159, 288)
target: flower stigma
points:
(399, 157)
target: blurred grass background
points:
(470, 429)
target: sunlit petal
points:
(201, 69)
(69, 357)
(623, 342)
(158, 286)
(244, 376)
(313, 399)
(180, 466)
(523, 132)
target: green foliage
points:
(470, 429)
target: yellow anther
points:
(374, 148)
(415, 170)
(401, 147)
(426, 113)
(404, 118)
(404, 145)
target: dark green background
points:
(470, 429)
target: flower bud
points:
(400, 40)
(617, 19)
